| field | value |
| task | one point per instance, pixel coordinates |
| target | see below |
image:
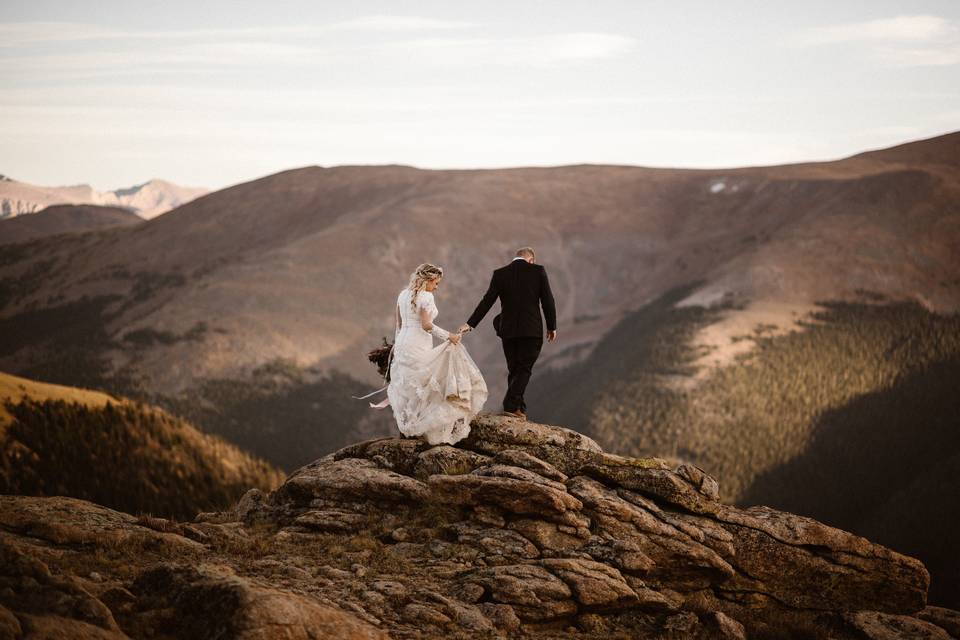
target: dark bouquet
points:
(381, 357)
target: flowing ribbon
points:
(383, 404)
(369, 395)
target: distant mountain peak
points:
(148, 199)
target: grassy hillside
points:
(58, 440)
(837, 420)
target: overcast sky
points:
(113, 93)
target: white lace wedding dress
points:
(434, 391)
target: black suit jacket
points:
(522, 289)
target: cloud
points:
(526, 51)
(897, 29)
(901, 41)
(584, 46)
(56, 51)
(13, 34)
(398, 23)
(210, 53)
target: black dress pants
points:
(521, 354)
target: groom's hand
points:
(464, 328)
(551, 335)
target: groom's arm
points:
(488, 299)
(547, 302)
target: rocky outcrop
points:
(521, 529)
(72, 569)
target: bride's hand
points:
(454, 338)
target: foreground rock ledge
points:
(521, 529)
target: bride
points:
(434, 391)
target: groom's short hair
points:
(526, 252)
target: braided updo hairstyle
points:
(420, 277)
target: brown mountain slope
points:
(57, 440)
(304, 264)
(302, 267)
(63, 218)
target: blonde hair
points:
(526, 252)
(420, 277)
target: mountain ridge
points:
(63, 218)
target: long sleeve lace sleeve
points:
(427, 306)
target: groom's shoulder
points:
(519, 265)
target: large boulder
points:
(212, 601)
(534, 593)
(351, 480)
(521, 492)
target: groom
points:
(523, 288)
